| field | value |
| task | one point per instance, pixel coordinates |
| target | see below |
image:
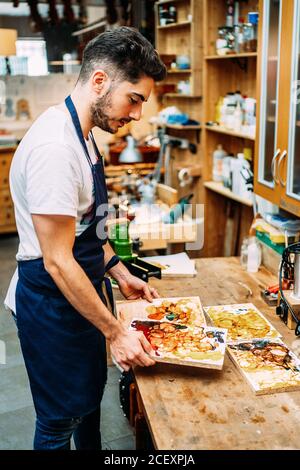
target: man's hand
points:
(131, 348)
(134, 288)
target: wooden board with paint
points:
(198, 346)
(269, 366)
(183, 310)
(243, 321)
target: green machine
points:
(123, 246)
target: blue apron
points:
(65, 355)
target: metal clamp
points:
(283, 155)
(273, 166)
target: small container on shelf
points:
(218, 156)
(184, 87)
(239, 38)
(225, 43)
(226, 172)
(172, 14)
(250, 45)
(229, 13)
(183, 62)
(253, 17)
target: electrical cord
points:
(287, 265)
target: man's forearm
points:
(79, 291)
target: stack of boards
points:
(255, 347)
(178, 333)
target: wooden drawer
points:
(7, 216)
(5, 198)
(5, 161)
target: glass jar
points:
(238, 38)
(248, 35)
(253, 18)
(226, 40)
(173, 14)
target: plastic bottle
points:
(244, 253)
(226, 172)
(247, 151)
(223, 112)
(238, 118)
(230, 119)
(219, 110)
(254, 255)
(218, 156)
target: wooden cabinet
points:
(184, 38)
(277, 169)
(7, 217)
(228, 217)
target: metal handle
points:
(283, 155)
(273, 166)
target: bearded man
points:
(59, 192)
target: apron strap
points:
(110, 294)
(72, 110)
(112, 262)
(98, 154)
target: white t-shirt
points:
(49, 174)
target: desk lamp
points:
(130, 154)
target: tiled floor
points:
(16, 408)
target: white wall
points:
(42, 92)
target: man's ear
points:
(100, 81)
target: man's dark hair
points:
(124, 52)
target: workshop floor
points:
(16, 409)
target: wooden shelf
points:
(181, 127)
(231, 56)
(180, 95)
(223, 130)
(162, 2)
(179, 71)
(220, 189)
(5, 148)
(175, 25)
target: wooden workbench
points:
(190, 408)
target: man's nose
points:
(136, 113)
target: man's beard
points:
(99, 113)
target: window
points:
(34, 50)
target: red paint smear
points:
(146, 330)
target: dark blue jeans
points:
(56, 434)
